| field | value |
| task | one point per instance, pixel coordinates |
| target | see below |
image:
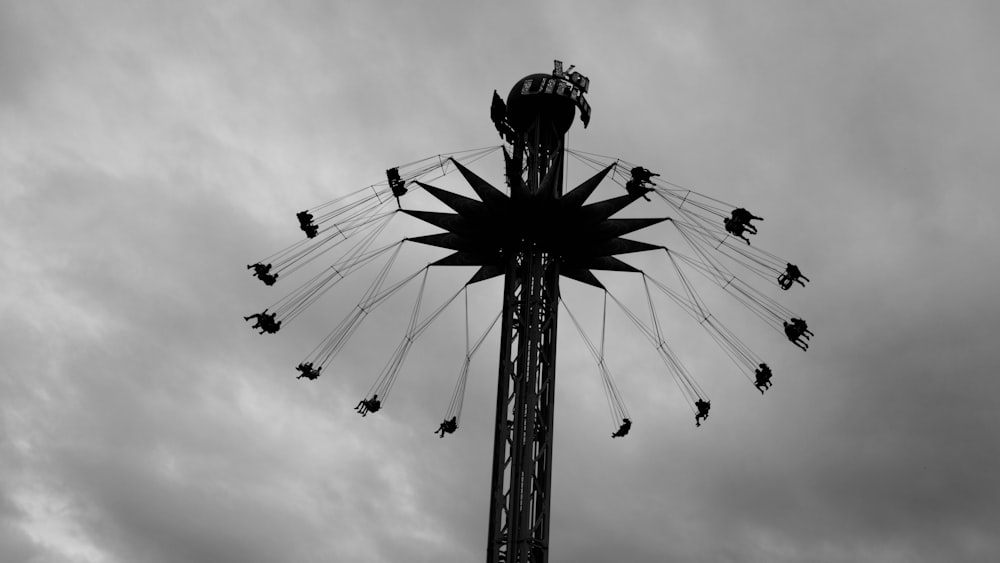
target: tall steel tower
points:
(523, 432)
(531, 238)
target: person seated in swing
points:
(263, 273)
(633, 187)
(269, 325)
(743, 217)
(798, 333)
(794, 336)
(369, 405)
(802, 327)
(305, 223)
(623, 429)
(735, 229)
(763, 378)
(308, 371)
(637, 184)
(702, 407)
(643, 175)
(448, 426)
(792, 274)
(264, 321)
(396, 183)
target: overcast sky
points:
(150, 150)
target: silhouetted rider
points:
(369, 405)
(743, 217)
(448, 426)
(798, 333)
(734, 228)
(623, 429)
(703, 407)
(763, 377)
(791, 275)
(263, 273)
(305, 223)
(265, 322)
(643, 175)
(308, 371)
(637, 183)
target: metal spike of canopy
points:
(601, 210)
(582, 275)
(450, 241)
(609, 263)
(463, 258)
(495, 200)
(487, 272)
(466, 206)
(579, 194)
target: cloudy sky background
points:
(150, 150)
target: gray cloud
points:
(147, 153)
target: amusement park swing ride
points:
(533, 233)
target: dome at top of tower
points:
(550, 98)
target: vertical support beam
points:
(503, 440)
(523, 432)
(522, 450)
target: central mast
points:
(522, 454)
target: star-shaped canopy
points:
(483, 232)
